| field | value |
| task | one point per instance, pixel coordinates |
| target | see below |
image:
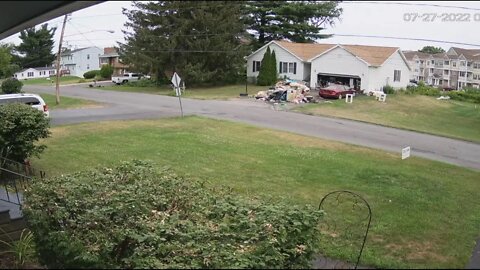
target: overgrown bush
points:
(423, 89)
(91, 74)
(142, 83)
(21, 128)
(134, 216)
(11, 86)
(469, 94)
(106, 71)
(387, 89)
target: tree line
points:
(35, 50)
(207, 41)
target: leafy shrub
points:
(142, 83)
(423, 89)
(91, 74)
(106, 71)
(469, 94)
(11, 86)
(387, 89)
(134, 216)
(22, 126)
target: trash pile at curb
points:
(287, 90)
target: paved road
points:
(140, 106)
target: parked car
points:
(335, 91)
(128, 77)
(33, 100)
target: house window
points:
(462, 63)
(431, 70)
(288, 67)
(445, 72)
(396, 75)
(50, 72)
(432, 62)
(462, 74)
(446, 63)
(88, 56)
(454, 63)
(256, 65)
(88, 66)
(29, 74)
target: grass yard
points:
(448, 118)
(425, 213)
(67, 102)
(63, 80)
(220, 92)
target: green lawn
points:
(449, 118)
(67, 102)
(63, 80)
(425, 213)
(220, 92)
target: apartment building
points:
(455, 69)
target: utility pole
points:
(57, 85)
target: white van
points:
(33, 100)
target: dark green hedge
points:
(132, 216)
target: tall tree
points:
(431, 49)
(36, 47)
(265, 68)
(201, 40)
(7, 69)
(298, 21)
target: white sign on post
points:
(176, 80)
(176, 85)
(406, 152)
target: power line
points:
(410, 4)
(403, 38)
(82, 34)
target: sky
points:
(90, 26)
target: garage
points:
(323, 79)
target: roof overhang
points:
(20, 15)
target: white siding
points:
(23, 75)
(281, 56)
(339, 61)
(79, 62)
(381, 76)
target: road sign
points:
(176, 85)
(176, 80)
(406, 152)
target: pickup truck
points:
(127, 77)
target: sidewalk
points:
(475, 259)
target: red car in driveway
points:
(335, 91)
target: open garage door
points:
(323, 79)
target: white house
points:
(77, 62)
(362, 67)
(33, 73)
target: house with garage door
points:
(366, 68)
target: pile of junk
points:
(287, 90)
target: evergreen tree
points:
(273, 68)
(298, 21)
(36, 47)
(200, 40)
(265, 66)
